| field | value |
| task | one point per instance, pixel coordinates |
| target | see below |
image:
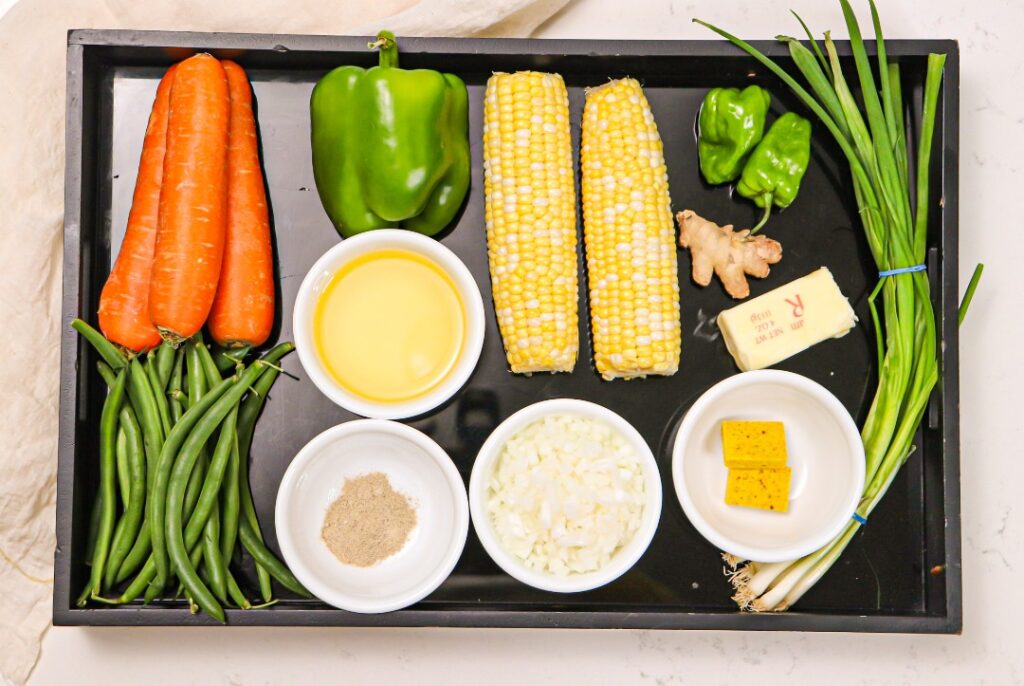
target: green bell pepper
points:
(773, 173)
(731, 123)
(390, 146)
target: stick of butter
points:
(779, 324)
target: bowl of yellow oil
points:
(389, 324)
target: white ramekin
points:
(825, 453)
(417, 467)
(319, 277)
(486, 459)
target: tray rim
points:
(64, 614)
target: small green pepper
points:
(390, 145)
(731, 123)
(773, 173)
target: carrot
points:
(243, 311)
(193, 200)
(124, 301)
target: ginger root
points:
(728, 253)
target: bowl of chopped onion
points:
(565, 495)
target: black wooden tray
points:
(901, 574)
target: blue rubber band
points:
(860, 520)
(902, 270)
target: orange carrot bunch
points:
(197, 248)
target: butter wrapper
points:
(779, 324)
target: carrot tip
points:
(171, 338)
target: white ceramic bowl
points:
(417, 467)
(488, 456)
(824, 451)
(319, 277)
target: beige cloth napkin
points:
(32, 53)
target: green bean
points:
(249, 513)
(141, 583)
(122, 543)
(175, 405)
(230, 506)
(216, 524)
(248, 413)
(123, 474)
(131, 521)
(202, 569)
(209, 366)
(137, 398)
(196, 522)
(141, 395)
(211, 486)
(174, 386)
(235, 592)
(107, 350)
(107, 372)
(108, 434)
(228, 359)
(173, 531)
(196, 374)
(195, 483)
(139, 552)
(211, 555)
(94, 525)
(123, 469)
(165, 357)
(196, 557)
(116, 540)
(263, 577)
(214, 480)
(197, 389)
(158, 394)
(262, 554)
(197, 414)
(151, 594)
(152, 591)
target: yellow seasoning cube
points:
(765, 489)
(753, 444)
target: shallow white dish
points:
(417, 467)
(319, 277)
(825, 453)
(486, 459)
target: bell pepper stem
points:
(388, 49)
(764, 217)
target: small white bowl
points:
(319, 277)
(486, 459)
(418, 468)
(825, 453)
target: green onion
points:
(874, 140)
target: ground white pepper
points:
(369, 522)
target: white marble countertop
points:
(992, 376)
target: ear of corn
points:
(629, 235)
(531, 220)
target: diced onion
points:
(566, 493)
